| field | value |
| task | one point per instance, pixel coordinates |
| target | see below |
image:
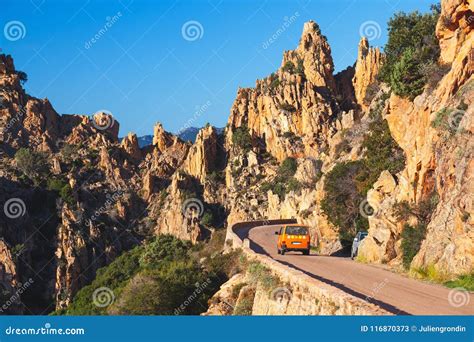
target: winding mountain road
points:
(393, 292)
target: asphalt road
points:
(393, 292)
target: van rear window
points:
(296, 230)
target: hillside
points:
(385, 146)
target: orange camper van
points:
(293, 237)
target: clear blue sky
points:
(143, 70)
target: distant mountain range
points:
(189, 134)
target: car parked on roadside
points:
(293, 237)
(356, 243)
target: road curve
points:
(393, 292)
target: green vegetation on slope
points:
(346, 185)
(465, 281)
(413, 235)
(284, 182)
(163, 277)
(412, 45)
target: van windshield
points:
(296, 230)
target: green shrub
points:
(63, 189)
(22, 76)
(344, 191)
(289, 67)
(244, 305)
(406, 78)
(288, 167)
(422, 210)
(448, 119)
(411, 43)
(260, 274)
(157, 278)
(241, 138)
(381, 152)
(66, 194)
(32, 164)
(114, 276)
(177, 287)
(465, 281)
(299, 67)
(163, 248)
(207, 218)
(284, 181)
(293, 185)
(274, 82)
(412, 237)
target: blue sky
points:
(145, 67)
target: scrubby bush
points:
(163, 277)
(114, 277)
(245, 304)
(344, 190)
(299, 67)
(241, 138)
(412, 237)
(289, 67)
(284, 181)
(32, 164)
(22, 76)
(465, 281)
(406, 78)
(411, 43)
(163, 248)
(381, 152)
(207, 218)
(274, 82)
(288, 167)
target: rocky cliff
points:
(82, 198)
(439, 159)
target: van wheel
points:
(306, 252)
(283, 251)
(278, 251)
